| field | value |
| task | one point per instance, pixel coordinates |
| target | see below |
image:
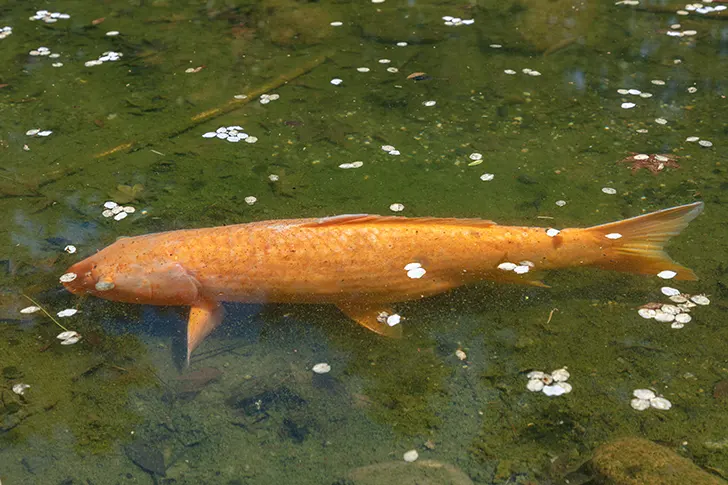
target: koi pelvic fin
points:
(638, 243)
(205, 316)
(369, 316)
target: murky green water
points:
(117, 408)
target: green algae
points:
(404, 382)
(83, 388)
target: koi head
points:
(90, 277)
(120, 274)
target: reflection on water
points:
(551, 94)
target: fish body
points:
(361, 263)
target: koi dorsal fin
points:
(353, 219)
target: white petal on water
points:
(628, 105)
(613, 235)
(671, 309)
(363, 69)
(507, 266)
(20, 388)
(560, 375)
(110, 204)
(647, 313)
(104, 285)
(646, 394)
(416, 273)
(336, 81)
(666, 274)
(32, 132)
(121, 215)
(68, 277)
(429, 103)
(669, 291)
(68, 312)
(677, 325)
(129, 209)
(679, 299)
(71, 340)
(250, 200)
(321, 368)
(700, 299)
(67, 334)
(692, 138)
(555, 389)
(209, 134)
(30, 309)
(609, 190)
(521, 269)
(251, 139)
(663, 317)
(535, 385)
(475, 156)
(660, 403)
(487, 177)
(394, 319)
(396, 207)
(410, 266)
(683, 318)
(551, 232)
(70, 249)
(107, 213)
(639, 404)
(560, 203)
(702, 143)
(411, 456)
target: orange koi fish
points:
(360, 263)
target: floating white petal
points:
(560, 375)
(411, 456)
(68, 277)
(20, 388)
(551, 232)
(643, 394)
(30, 309)
(647, 312)
(660, 403)
(667, 274)
(535, 385)
(700, 299)
(321, 368)
(68, 312)
(669, 291)
(639, 404)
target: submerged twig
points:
(229, 106)
(46, 312)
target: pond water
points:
(519, 111)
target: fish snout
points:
(79, 278)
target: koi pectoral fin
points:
(372, 317)
(204, 318)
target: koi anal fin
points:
(204, 318)
(636, 245)
(369, 316)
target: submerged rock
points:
(637, 461)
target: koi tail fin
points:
(636, 245)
